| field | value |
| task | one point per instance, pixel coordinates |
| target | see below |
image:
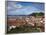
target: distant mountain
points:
(36, 14)
(33, 14)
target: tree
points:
(37, 14)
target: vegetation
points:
(26, 29)
(37, 14)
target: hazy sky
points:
(24, 8)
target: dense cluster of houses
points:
(27, 21)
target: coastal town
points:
(25, 17)
(30, 21)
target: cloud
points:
(23, 11)
(14, 5)
(18, 9)
(18, 6)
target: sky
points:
(24, 8)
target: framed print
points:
(25, 17)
